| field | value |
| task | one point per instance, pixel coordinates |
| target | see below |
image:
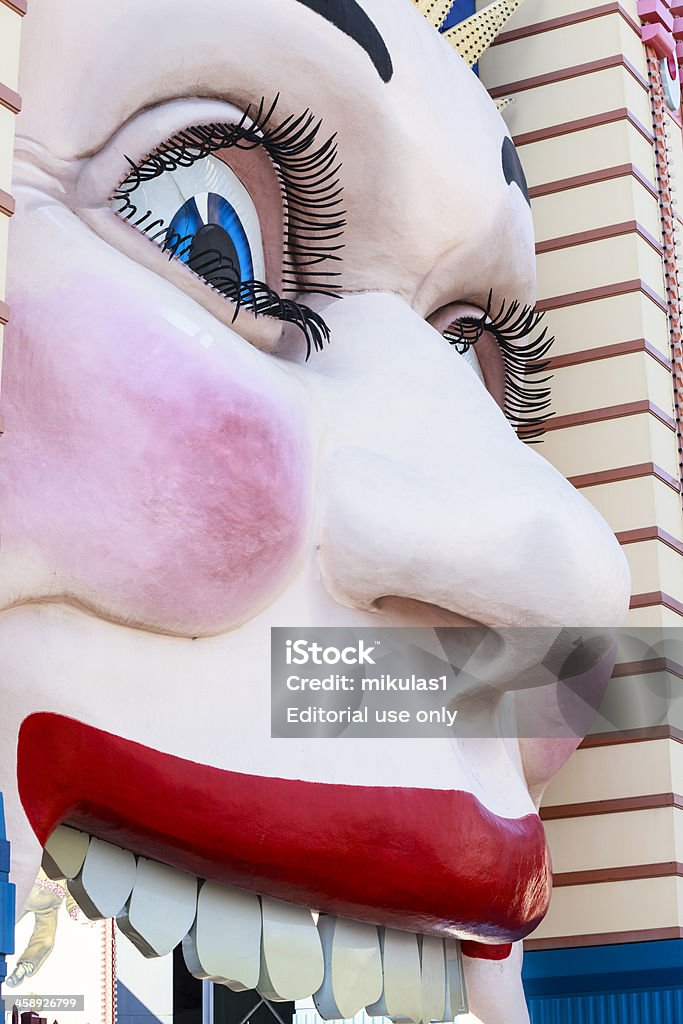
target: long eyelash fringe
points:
(527, 397)
(309, 183)
(218, 272)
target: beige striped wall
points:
(11, 12)
(584, 128)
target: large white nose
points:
(426, 492)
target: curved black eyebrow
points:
(512, 168)
(351, 19)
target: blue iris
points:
(187, 222)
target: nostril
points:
(410, 611)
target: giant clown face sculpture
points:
(207, 193)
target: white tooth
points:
(161, 908)
(402, 989)
(291, 955)
(64, 853)
(433, 978)
(353, 967)
(456, 994)
(105, 881)
(224, 943)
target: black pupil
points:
(214, 257)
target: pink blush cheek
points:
(179, 491)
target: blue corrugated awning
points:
(628, 983)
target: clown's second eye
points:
(514, 346)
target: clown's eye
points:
(203, 216)
(510, 347)
(210, 195)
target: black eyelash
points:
(218, 272)
(527, 399)
(312, 199)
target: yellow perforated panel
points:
(435, 11)
(473, 37)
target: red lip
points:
(418, 859)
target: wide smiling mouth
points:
(163, 843)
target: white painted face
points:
(176, 480)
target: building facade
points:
(597, 124)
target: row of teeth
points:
(236, 938)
